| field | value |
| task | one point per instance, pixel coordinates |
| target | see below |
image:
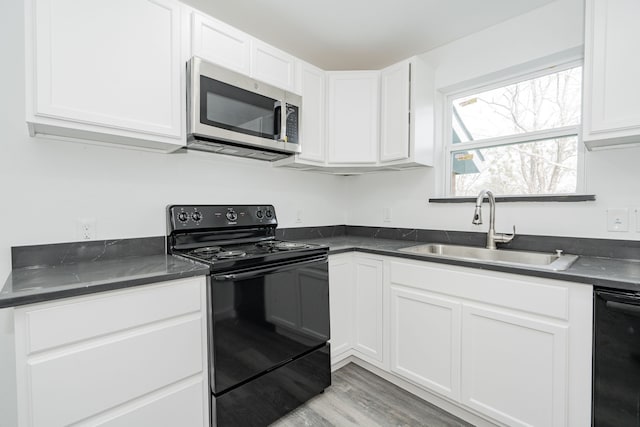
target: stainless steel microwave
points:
(230, 113)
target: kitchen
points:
(49, 185)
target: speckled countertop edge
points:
(597, 271)
(50, 282)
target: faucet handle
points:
(509, 237)
(504, 237)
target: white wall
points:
(612, 176)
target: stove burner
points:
(267, 243)
(230, 254)
(288, 246)
(209, 250)
(281, 246)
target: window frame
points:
(506, 79)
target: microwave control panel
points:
(292, 124)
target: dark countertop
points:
(40, 283)
(597, 271)
(49, 272)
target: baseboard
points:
(344, 360)
(451, 407)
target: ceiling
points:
(361, 34)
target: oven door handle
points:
(620, 301)
(268, 270)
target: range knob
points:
(269, 213)
(232, 215)
(259, 214)
(183, 217)
(196, 216)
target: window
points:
(519, 138)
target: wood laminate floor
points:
(359, 398)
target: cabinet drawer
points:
(55, 324)
(179, 407)
(78, 382)
(530, 294)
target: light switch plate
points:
(618, 219)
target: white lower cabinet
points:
(514, 367)
(340, 303)
(356, 301)
(367, 334)
(425, 339)
(138, 357)
(511, 349)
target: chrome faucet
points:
(492, 236)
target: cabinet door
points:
(367, 337)
(514, 367)
(395, 112)
(217, 42)
(272, 65)
(313, 113)
(113, 64)
(341, 305)
(353, 117)
(611, 85)
(425, 339)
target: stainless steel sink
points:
(542, 260)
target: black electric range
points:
(269, 310)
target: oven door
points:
(266, 317)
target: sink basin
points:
(519, 258)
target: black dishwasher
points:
(616, 361)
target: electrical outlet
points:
(299, 216)
(86, 228)
(386, 214)
(618, 219)
(637, 219)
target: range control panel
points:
(194, 217)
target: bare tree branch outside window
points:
(547, 166)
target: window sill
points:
(503, 199)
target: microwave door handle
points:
(268, 270)
(280, 118)
(277, 121)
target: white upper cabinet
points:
(312, 88)
(108, 71)
(375, 120)
(611, 85)
(353, 117)
(273, 66)
(217, 42)
(407, 114)
(395, 111)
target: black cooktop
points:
(231, 256)
(232, 237)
